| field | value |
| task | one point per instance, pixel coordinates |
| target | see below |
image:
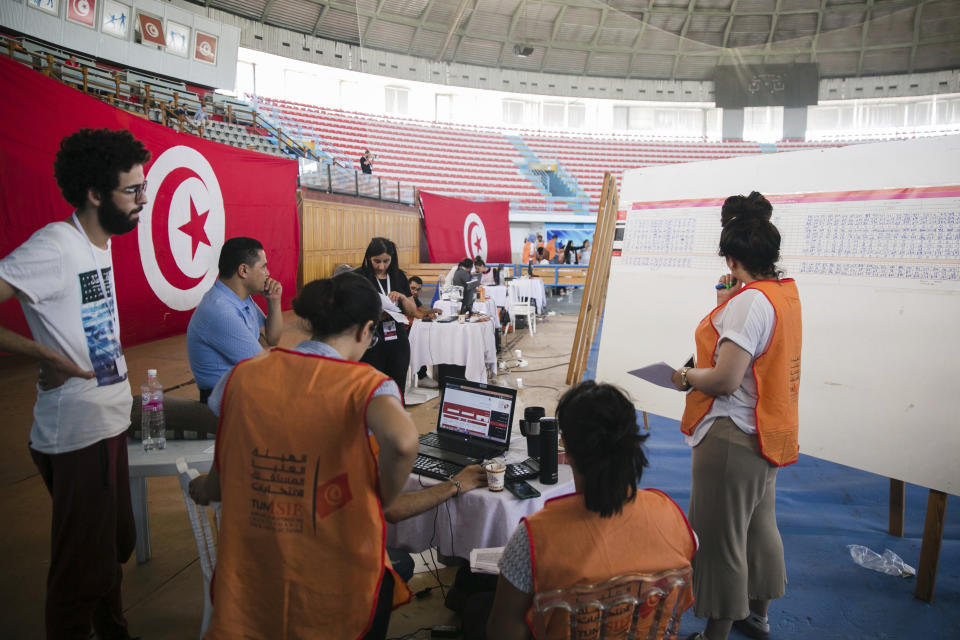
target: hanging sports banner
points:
(458, 228)
(200, 193)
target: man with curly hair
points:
(63, 277)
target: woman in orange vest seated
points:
(302, 537)
(741, 420)
(606, 529)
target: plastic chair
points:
(203, 534)
(520, 305)
(625, 607)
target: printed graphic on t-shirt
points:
(96, 314)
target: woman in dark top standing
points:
(391, 354)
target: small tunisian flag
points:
(458, 228)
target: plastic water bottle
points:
(153, 429)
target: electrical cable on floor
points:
(411, 634)
(435, 572)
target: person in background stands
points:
(416, 286)
(569, 253)
(227, 324)
(71, 62)
(63, 277)
(528, 252)
(340, 446)
(585, 252)
(380, 267)
(366, 162)
(201, 114)
(609, 527)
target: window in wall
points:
(513, 111)
(444, 107)
(245, 82)
(396, 100)
(576, 116)
(349, 95)
(763, 124)
(621, 117)
(553, 115)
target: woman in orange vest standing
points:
(607, 528)
(302, 544)
(741, 419)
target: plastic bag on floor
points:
(889, 563)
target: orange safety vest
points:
(527, 251)
(776, 370)
(551, 248)
(302, 549)
(570, 545)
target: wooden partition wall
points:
(336, 230)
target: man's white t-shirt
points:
(747, 321)
(55, 277)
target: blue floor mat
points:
(821, 508)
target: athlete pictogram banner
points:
(458, 228)
(200, 193)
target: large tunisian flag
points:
(458, 228)
(200, 193)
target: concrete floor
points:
(162, 597)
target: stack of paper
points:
(485, 560)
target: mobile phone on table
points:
(522, 490)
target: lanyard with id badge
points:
(389, 326)
(119, 359)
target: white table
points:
(477, 519)
(532, 287)
(487, 307)
(163, 462)
(471, 345)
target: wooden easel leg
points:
(930, 549)
(896, 507)
(646, 425)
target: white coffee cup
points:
(496, 473)
(519, 383)
(517, 353)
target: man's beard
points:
(113, 220)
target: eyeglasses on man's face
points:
(374, 337)
(135, 190)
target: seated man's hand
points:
(272, 290)
(471, 477)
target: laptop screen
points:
(477, 410)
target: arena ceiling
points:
(651, 39)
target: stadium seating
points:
(481, 162)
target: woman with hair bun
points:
(607, 528)
(302, 537)
(381, 267)
(741, 418)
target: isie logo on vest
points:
(332, 495)
(181, 228)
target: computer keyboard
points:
(433, 468)
(443, 470)
(431, 439)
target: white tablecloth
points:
(163, 462)
(487, 307)
(532, 287)
(478, 519)
(471, 344)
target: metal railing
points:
(333, 178)
(520, 270)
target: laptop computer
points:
(474, 423)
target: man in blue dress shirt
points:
(227, 324)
